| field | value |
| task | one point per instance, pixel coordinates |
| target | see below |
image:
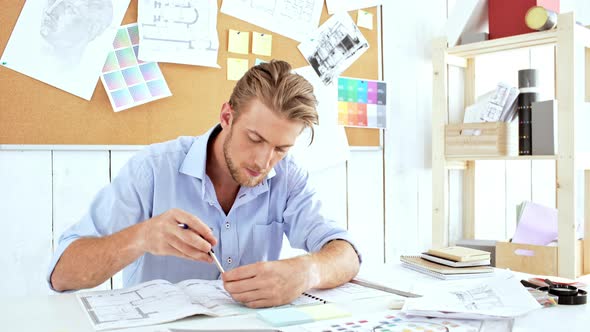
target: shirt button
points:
(226, 225)
(229, 260)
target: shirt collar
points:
(195, 162)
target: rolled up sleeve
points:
(123, 203)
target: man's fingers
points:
(188, 251)
(195, 225)
(262, 303)
(191, 239)
(250, 296)
(240, 273)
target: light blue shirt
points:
(172, 175)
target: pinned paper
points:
(129, 81)
(238, 42)
(236, 68)
(259, 61)
(261, 43)
(364, 19)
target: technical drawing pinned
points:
(179, 31)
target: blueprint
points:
(335, 6)
(157, 301)
(295, 19)
(178, 31)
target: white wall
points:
(408, 29)
(46, 189)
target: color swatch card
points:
(394, 321)
(129, 81)
(362, 103)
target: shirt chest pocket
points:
(267, 240)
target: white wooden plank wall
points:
(408, 31)
(365, 204)
(36, 205)
(77, 177)
(25, 216)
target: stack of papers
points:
(442, 271)
(496, 298)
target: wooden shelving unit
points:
(571, 74)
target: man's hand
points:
(162, 236)
(267, 284)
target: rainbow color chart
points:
(362, 103)
(394, 321)
(129, 81)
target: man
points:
(237, 190)
(69, 25)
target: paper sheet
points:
(156, 302)
(64, 48)
(128, 81)
(334, 46)
(494, 298)
(236, 68)
(290, 18)
(347, 5)
(347, 292)
(364, 19)
(239, 42)
(179, 31)
(537, 225)
(261, 43)
(330, 144)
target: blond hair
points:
(286, 93)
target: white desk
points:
(62, 313)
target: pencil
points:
(211, 252)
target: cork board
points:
(33, 112)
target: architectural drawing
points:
(334, 47)
(479, 298)
(182, 31)
(295, 19)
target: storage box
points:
(481, 139)
(541, 260)
(506, 17)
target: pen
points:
(211, 252)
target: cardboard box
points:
(528, 258)
(481, 139)
(506, 17)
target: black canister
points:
(529, 93)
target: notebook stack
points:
(451, 263)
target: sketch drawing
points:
(298, 10)
(334, 47)
(268, 6)
(294, 19)
(181, 31)
(184, 23)
(479, 298)
(69, 25)
(64, 43)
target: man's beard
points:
(241, 179)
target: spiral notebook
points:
(440, 271)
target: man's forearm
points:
(87, 262)
(335, 264)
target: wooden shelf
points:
(474, 158)
(504, 44)
(572, 83)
